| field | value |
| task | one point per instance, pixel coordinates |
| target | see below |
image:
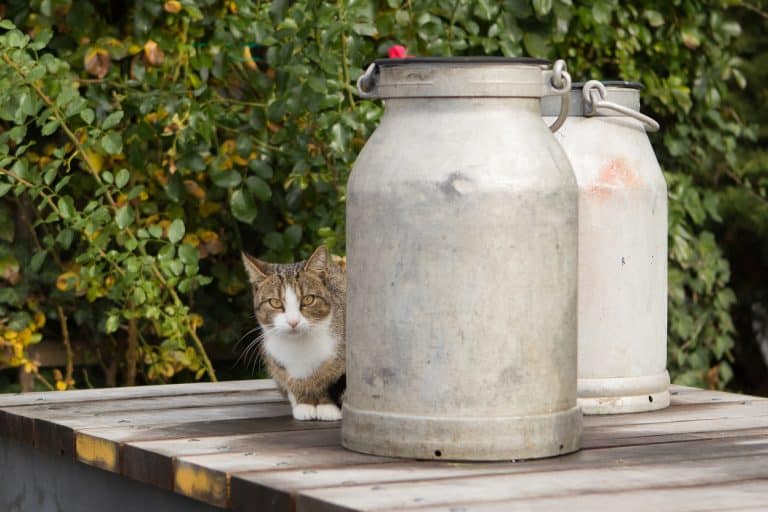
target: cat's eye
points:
(276, 303)
(307, 300)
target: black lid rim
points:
(460, 60)
(621, 84)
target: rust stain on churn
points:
(615, 175)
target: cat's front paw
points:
(328, 412)
(303, 412)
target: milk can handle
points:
(595, 96)
(561, 85)
(366, 84)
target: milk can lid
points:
(460, 60)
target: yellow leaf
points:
(228, 146)
(194, 189)
(192, 240)
(61, 385)
(209, 208)
(10, 335)
(172, 6)
(97, 62)
(39, 320)
(195, 321)
(25, 336)
(66, 281)
(248, 59)
(153, 53)
(95, 160)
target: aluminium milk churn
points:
(622, 248)
(462, 247)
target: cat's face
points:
(290, 299)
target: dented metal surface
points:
(461, 243)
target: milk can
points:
(462, 247)
(622, 249)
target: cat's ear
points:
(257, 270)
(318, 262)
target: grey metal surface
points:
(462, 248)
(622, 256)
(35, 482)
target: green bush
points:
(143, 145)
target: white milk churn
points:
(622, 248)
(461, 250)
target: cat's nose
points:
(293, 322)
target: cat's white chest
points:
(302, 354)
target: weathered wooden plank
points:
(623, 435)
(51, 427)
(101, 447)
(599, 439)
(152, 461)
(739, 496)
(713, 411)
(206, 477)
(561, 484)
(58, 437)
(167, 390)
(277, 488)
(54, 411)
(681, 395)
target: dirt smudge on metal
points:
(615, 175)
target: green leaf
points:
(259, 188)
(20, 169)
(156, 230)
(226, 179)
(293, 235)
(188, 254)
(49, 128)
(112, 120)
(112, 143)
(274, 241)
(243, 207)
(7, 24)
(122, 177)
(112, 323)
(66, 207)
(176, 267)
(655, 19)
(37, 260)
(87, 115)
(65, 238)
(138, 296)
(601, 11)
(176, 230)
(124, 216)
(4, 188)
(42, 39)
(261, 168)
(167, 252)
(536, 45)
(542, 7)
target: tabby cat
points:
(300, 308)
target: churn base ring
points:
(624, 395)
(454, 438)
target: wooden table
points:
(234, 445)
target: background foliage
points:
(144, 144)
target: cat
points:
(300, 309)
